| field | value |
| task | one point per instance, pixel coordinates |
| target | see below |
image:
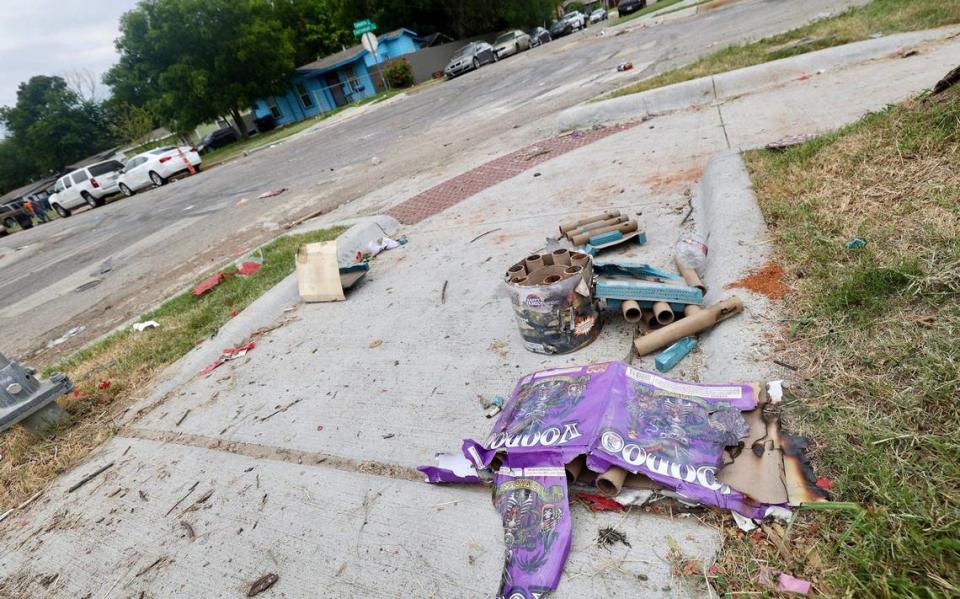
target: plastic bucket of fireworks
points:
(552, 299)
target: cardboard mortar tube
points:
(564, 227)
(685, 327)
(663, 313)
(533, 263)
(561, 257)
(579, 259)
(610, 482)
(631, 311)
(598, 225)
(574, 468)
(624, 228)
(691, 277)
(648, 318)
(517, 270)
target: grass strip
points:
(875, 333)
(853, 25)
(646, 11)
(118, 370)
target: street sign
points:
(364, 26)
(369, 42)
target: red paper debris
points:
(233, 313)
(598, 503)
(228, 354)
(825, 483)
(76, 392)
(104, 385)
(249, 268)
(208, 284)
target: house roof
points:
(26, 190)
(348, 55)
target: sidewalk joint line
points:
(279, 454)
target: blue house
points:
(336, 80)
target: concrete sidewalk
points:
(299, 459)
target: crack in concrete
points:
(716, 102)
(280, 454)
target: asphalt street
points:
(99, 268)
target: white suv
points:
(89, 185)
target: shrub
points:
(399, 74)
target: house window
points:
(305, 98)
(274, 109)
(356, 85)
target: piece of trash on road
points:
(272, 193)
(599, 503)
(624, 66)
(231, 353)
(104, 385)
(375, 343)
(142, 326)
(856, 244)
(552, 301)
(249, 268)
(671, 356)
(632, 429)
(209, 283)
(780, 581)
(262, 584)
(320, 278)
(789, 141)
(379, 245)
(241, 202)
(62, 338)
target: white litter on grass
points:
(743, 523)
(775, 391)
(142, 326)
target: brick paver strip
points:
(455, 190)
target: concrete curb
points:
(728, 216)
(729, 85)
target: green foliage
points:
(52, 125)
(314, 27)
(399, 74)
(456, 18)
(130, 123)
(192, 61)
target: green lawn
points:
(855, 24)
(130, 361)
(874, 332)
(646, 11)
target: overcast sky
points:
(55, 37)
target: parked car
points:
(630, 6)
(13, 214)
(217, 139)
(90, 185)
(570, 22)
(598, 15)
(539, 36)
(154, 168)
(469, 58)
(510, 43)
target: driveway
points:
(100, 268)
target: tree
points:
(52, 125)
(315, 28)
(16, 168)
(193, 61)
(130, 123)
